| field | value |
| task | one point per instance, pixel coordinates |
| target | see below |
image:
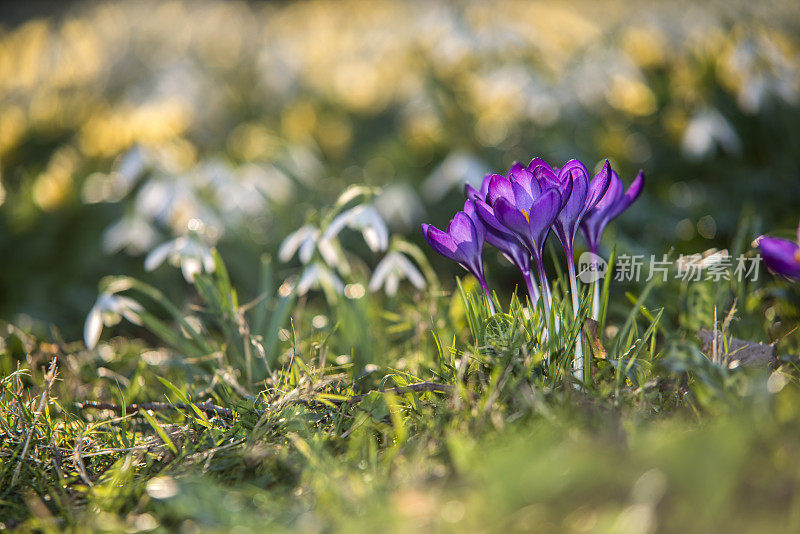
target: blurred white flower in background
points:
(318, 276)
(303, 163)
(365, 219)
(706, 130)
(109, 310)
(400, 206)
(393, 268)
(133, 233)
(304, 240)
(267, 179)
(456, 169)
(187, 252)
(113, 186)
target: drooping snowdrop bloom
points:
(305, 241)
(133, 233)
(109, 310)
(318, 276)
(187, 252)
(782, 256)
(615, 201)
(450, 173)
(462, 243)
(302, 242)
(365, 219)
(707, 130)
(394, 267)
(399, 205)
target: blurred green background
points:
(121, 122)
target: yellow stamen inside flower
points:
(797, 255)
(527, 215)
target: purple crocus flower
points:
(499, 237)
(522, 206)
(462, 243)
(782, 256)
(583, 196)
(614, 202)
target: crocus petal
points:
(477, 223)
(543, 214)
(572, 168)
(628, 198)
(499, 187)
(614, 193)
(513, 219)
(462, 230)
(472, 193)
(523, 199)
(781, 256)
(598, 186)
(486, 214)
(441, 243)
(522, 176)
(543, 172)
(539, 162)
(575, 205)
(469, 241)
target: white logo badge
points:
(591, 268)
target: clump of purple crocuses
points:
(515, 213)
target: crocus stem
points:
(545, 286)
(533, 293)
(596, 301)
(488, 295)
(573, 289)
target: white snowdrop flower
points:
(303, 163)
(366, 219)
(707, 129)
(318, 276)
(174, 201)
(393, 268)
(269, 180)
(400, 206)
(332, 254)
(132, 165)
(188, 252)
(132, 233)
(109, 310)
(304, 240)
(113, 186)
(458, 167)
